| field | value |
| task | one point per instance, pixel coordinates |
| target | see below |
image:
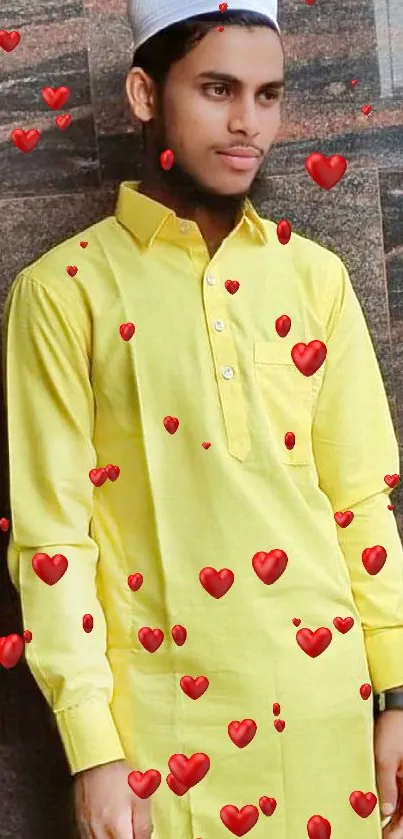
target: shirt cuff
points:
(89, 736)
(385, 658)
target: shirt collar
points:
(146, 219)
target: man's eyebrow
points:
(227, 77)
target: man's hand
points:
(106, 806)
(388, 747)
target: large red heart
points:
(98, 476)
(11, 650)
(9, 40)
(56, 97)
(216, 583)
(240, 821)
(326, 172)
(309, 357)
(314, 643)
(50, 569)
(242, 733)
(189, 771)
(267, 805)
(392, 480)
(344, 519)
(144, 784)
(374, 559)
(343, 624)
(25, 140)
(151, 639)
(363, 803)
(270, 566)
(194, 687)
(318, 828)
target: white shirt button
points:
(211, 280)
(227, 372)
(184, 227)
(219, 325)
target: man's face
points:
(219, 98)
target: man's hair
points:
(157, 54)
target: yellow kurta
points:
(80, 397)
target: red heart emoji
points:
(63, 121)
(194, 687)
(55, 97)
(144, 784)
(374, 559)
(127, 330)
(391, 506)
(279, 725)
(216, 583)
(276, 709)
(83, 244)
(363, 803)
(72, 270)
(112, 472)
(220, 29)
(354, 82)
(49, 569)
(267, 805)
(283, 325)
(243, 732)
(176, 786)
(151, 639)
(27, 636)
(167, 159)
(231, 286)
(310, 2)
(88, 623)
(392, 480)
(344, 519)
(223, 7)
(9, 40)
(365, 690)
(171, 424)
(4, 525)
(296, 621)
(189, 771)
(309, 357)
(289, 440)
(318, 828)
(343, 624)
(326, 172)
(25, 140)
(270, 566)
(11, 650)
(283, 231)
(179, 634)
(366, 109)
(314, 643)
(206, 445)
(240, 821)
(98, 476)
(135, 581)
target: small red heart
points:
(276, 709)
(4, 525)
(49, 569)
(179, 634)
(270, 566)
(309, 357)
(25, 140)
(55, 97)
(366, 109)
(314, 643)
(63, 121)
(167, 159)
(283, 325)
(220, 29)
(318, 828)
(135, 581)
(223, 7)
(391, 506)
(231, 286)
(206, 445)
(88, 623)
(374, 559)
(240, 821)
(144, 784)
(343, 625)
(344, 519)
(243, 732)
(363, 803)
(83, 244)
(289, 440)
(310, 2)
(189, 771)
(283, 231)
(176, 786)
(72, 270)
(354, 82)
(151, 639)
(194, 688)
(112, 471)
(127, 330)
(9, 40)
(392, 480)
(279, 725)
(365, 690)
(98, 476)
(27, 636)
(11, 650)
(267, 805)
(296, 621)
(171, 424)
(325, 171)
(216, 583)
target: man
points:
(233, 595)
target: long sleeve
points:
(355, 446)
(50, 418)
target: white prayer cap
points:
(147, 17)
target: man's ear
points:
(141, 93)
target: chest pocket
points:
(287, 398)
